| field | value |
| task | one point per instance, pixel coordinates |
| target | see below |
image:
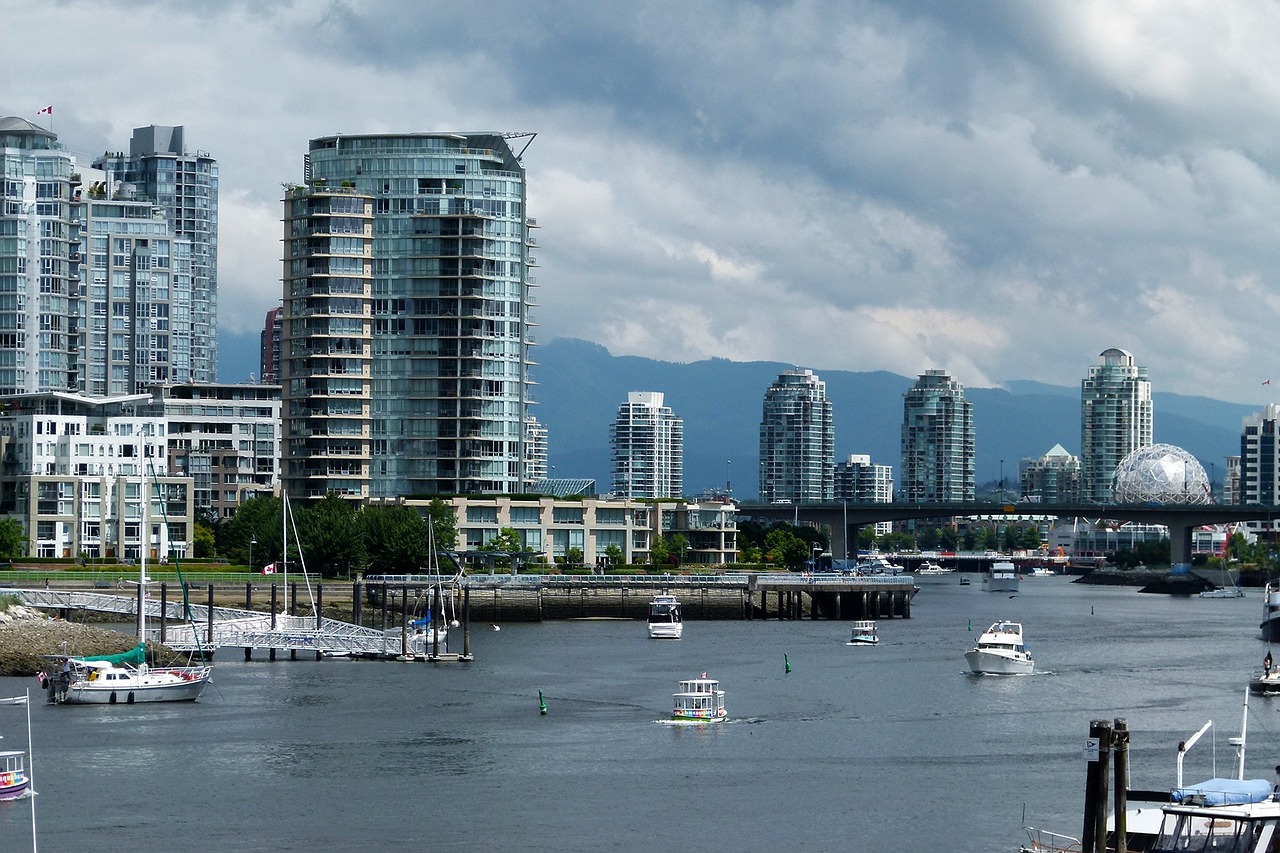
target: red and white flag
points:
(269, 569)
(704, 675)
(46, 111)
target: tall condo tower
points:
(648, 448)
(184, 185)
(435, 374)
(797, 440)
(1115, 420)
(1258, 468)
(95, 285)
(938, 446)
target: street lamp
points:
(253, 540)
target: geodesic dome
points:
(1161, 473)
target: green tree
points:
(444, 525)
(679, 545)
(397, 539)
(573, 557)
(331, 537)
(614, 555)
(13, 541)
(660, 552)
(256, 520)
(202, 541)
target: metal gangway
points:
(209, 629)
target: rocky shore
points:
(27, 636)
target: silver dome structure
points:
(1161, 473)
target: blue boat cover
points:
(1226, 792)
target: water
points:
(858, 748)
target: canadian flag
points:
(46, 111)
(269, 569)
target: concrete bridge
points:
(846, 518)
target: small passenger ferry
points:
(864, 634)
(14, 781)
(700, 700)
(664, 618)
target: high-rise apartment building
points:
(184, 185)
(436, 375)
(797, 440)
(269, 341)
(96, 285)
(648, 448)
(858, 479)
(326, 344)
(938, 446)
(536, 447)
(1053, 478)
(1258, 469)
(1115, 420)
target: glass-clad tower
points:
(1115, 420)
(797, 440)
(450, 291)
(938, 445)
(39, 261)
(648, 448)
(326, 342)
(183, 184)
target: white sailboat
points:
(127, 678)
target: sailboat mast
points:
(145, 541)
(284, 545)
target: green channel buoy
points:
(971, 624)
(786, 661)
(542, 704)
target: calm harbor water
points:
(858, 748)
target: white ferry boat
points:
(864, 633)
(1000, 651)
(665, 622)
(700, 700)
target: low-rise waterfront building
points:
(72, 471)
(551, 527)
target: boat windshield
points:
(1185, 833)
(662, 612)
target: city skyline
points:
(986, 189)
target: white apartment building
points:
(73, 470)
(648, 448)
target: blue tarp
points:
(1226, 792)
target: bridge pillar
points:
(1179, 542)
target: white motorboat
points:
(1001, 577)
(930, 570)
(699, 700)
(665, 621)
(878, 565)
(863, 633)
(1001, 651)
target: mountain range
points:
(580, 386)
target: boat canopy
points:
(1225, 792)
(136, 655)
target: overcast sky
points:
(999, 189)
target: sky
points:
(1001, 189)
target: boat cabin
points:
(1220, 829)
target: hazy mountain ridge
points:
(580, 386)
